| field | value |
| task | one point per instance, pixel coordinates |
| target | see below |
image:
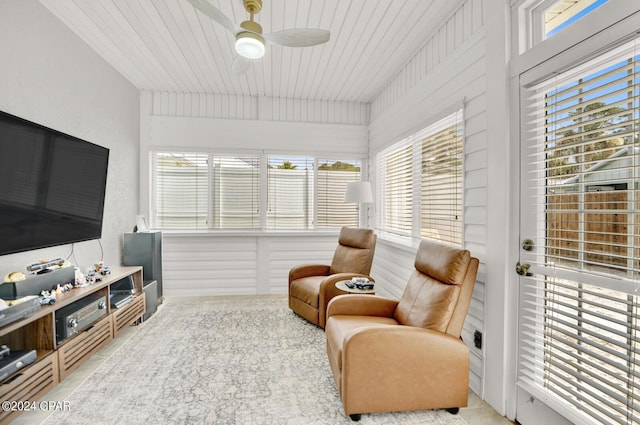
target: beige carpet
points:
(221, 360)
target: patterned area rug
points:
(221, 360)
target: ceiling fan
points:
(250, 41)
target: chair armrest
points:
(306, 270)
(408, 343)
(361, 305)
(406, 362)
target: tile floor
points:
(480, 413)
(476, 413)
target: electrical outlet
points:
(477, 340)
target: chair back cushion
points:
(432, 292)
(355, 250)
(441, 262)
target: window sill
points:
(404, 243)
(249, 233)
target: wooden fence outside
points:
(598, 230)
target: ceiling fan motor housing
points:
(252, 26)
(253, 6)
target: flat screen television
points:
(52, 186)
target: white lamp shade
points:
(359, 192)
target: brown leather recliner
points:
(312, 286)
(389, 355)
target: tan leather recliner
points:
(389, 355)
(311, 286)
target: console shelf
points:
(124, 315)
(56, 360)
(29, 384)
(82, 346)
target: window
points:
(441, 182)
(589, 122)
(209, 191)
(236, 192)
(290, 192)
(545, 18)
(563, 13)
(420, 183)
(200, 191)
(395, 173)
(332, 178)
(181, 194)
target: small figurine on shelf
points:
(102, 269)
(65, 287)
(47, 297)
(97, 267)
(81, 279)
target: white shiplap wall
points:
(239, 263)
(258, 108)
(450, 69)
(346, 141)
(463, 23)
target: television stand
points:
(57, 358)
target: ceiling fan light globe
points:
(250, 45)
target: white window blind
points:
(180, 190)
(290, 192)
(580, 344)
(395, 183)
(420, 183)
(236, 192)
(211, 191)
(441, 181)
(332, 178)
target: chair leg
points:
(453, 410)
(355, 417)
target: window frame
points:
(414, 142)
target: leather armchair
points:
(312, 286)
(388, 355)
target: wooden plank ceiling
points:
(166, 45)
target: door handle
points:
(523, 269)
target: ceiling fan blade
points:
(298, 37)
(240, 65)
(211, 11)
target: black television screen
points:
(52, 186)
